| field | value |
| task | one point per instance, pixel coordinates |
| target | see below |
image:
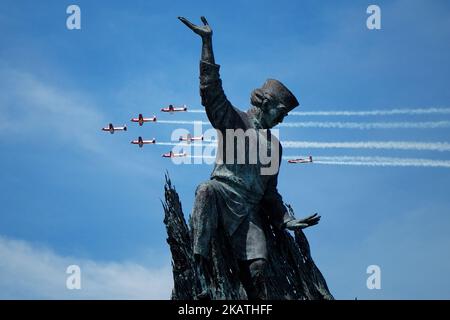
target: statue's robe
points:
(237, 195)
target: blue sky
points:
(71, 194)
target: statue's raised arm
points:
(219, 110)
(205, 32)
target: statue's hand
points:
(203, 31)
(303, 223)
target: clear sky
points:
(72, 194)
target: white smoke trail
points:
(368, 125)
(167, 143)
(380, 161)
(341, 125)
(428, 163)
(183, 122)
(196, 110)
(366, 161)
(202, 157)
(398, 145)
(376, 161)
(390, 145)
(193, 144)
(417, 111)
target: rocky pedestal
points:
(291, 272)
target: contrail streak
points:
(340, 125)
(398, 145)
(429, 163)
(202, 157)
(418, 111)
(368, 125)
(390, 112)
(183, 122)
(197, 110)
(381, 161)
(193, 144)
(388, 145)
(366, 161)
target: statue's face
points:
(273, 114)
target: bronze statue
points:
(238, 194)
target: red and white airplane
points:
(140, 119)
(190, 138)
(171, 108)
(111, 128)
(301, 160)
(170, 154)
(141, 142)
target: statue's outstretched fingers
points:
(310, 217)
(313, 223)
(205, 22)
(187, 22)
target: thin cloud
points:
(38, 112)
(31, 272)
(30, 107)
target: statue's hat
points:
(279, 91)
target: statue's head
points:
(274, 101)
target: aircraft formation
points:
(140, 119)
